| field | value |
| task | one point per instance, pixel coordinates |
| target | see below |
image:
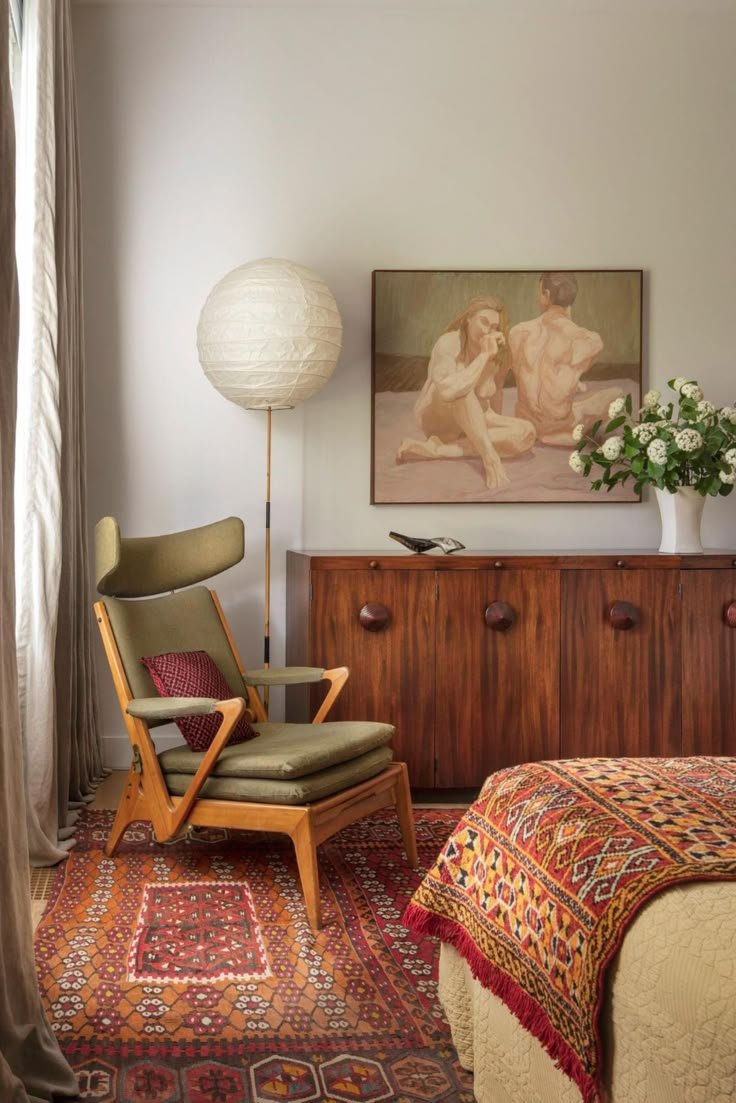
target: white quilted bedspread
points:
(669, 1024)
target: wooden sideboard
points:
(483, 661)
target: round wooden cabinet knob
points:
(729, 615)
(374, 616)
(623, 615)
(499, 616)
(374, 564)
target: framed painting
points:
(479, 378)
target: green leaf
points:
(617, 421)
(627, 403)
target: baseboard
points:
(117, 753)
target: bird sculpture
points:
(421, 544)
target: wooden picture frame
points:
(478, 379)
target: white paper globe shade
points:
(269, 334)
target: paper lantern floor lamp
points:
(269, 337)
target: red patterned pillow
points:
(194, 674)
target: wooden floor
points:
(109, 791)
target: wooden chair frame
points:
(146, 796)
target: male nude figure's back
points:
(550, 354)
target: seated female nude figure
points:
(459, 406)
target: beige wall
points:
(357, 136)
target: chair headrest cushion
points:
(140, 566)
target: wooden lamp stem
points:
(267, 589)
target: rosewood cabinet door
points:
(381, 625)
(497, 672)
(708, 662)
(620, 676)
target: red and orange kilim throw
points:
(540, 878)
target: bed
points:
(587, 912)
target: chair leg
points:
(126, 811)
(405, 813)
(306, 860)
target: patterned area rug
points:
(189, 973)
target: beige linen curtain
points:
(31, 1065)
(53, 631)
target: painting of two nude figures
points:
(480, 378)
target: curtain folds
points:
(53, 632)
(76, 714)
(31, 1065)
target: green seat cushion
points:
(285, 751)
(302, 790)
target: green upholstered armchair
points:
(307, 780)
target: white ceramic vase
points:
(681, 513)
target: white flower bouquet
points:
(695, 447)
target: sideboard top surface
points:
(598, 559)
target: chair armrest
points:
(284, 676)
(294, 676)
(169, 708)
